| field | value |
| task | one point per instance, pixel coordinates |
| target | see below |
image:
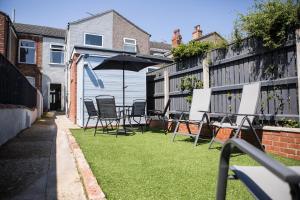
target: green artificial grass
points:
(150, 166)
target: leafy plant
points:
(271, 20)
(290, 123)
(237, 36)
(188, 83)
(193, 48)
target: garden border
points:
(92, 188)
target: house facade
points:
(91, 40)
(41, 55)
(59, 62)
(8, 39)
(38, 52)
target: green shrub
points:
(271, 20)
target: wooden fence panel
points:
(230, 69)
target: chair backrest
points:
(249, 101)
(200, 101)
(166, 107)
(90, 107)
(106, 106)
(138, 107)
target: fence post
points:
(205, 72)
(298, 65)
(166, 89)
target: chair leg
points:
(175, 131)
(97, 125)
(86, 124)
(214, 136)
(198, 135)
(257, 138)
(149, 123)
(140, 125)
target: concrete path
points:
(38, 163)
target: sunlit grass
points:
(150, 166)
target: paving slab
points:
(39, 164)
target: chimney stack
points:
(176, 39)
(197, 33)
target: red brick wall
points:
(73, 89)
(33, 70)
(283, 143)
(3, 34)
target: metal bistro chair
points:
(200, 101)
(138, 110)
(160, 115)
(271, 180)
(107, 112)
(91, 110)
(244, 117)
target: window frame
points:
(92, 45)
(124, 43)
(63, 51)
(19, 52)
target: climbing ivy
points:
(188, 83)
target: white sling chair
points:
(200, 101)
(244, 117)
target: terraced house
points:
(38, 52)
(45, 55)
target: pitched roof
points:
(40, 30)
(104, 13)
(210, 34)
(160, 45)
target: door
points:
(55, 96)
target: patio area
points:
(150, 166)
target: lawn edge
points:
(90, 184)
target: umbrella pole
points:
(124, 99)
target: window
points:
(129, 45)
(93, 40)
(27, 52)
(56, 54)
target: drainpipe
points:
(298, 65)
(7, 36)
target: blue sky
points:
(158, 17)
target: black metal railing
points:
(14, 87)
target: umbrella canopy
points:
(125, 62)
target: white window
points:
(27, 51)
(93, 40)
(56, 54)
(129, 45)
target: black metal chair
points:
(107, 113)
(271, 180)
(138, 110)
(91, 110)
(160, 115)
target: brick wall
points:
(122, 29)
(283, 143)
(33, 70)
(73, 89)
(3, 33)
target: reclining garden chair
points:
(160, 115)
(138, 110)
(107, 112)
(91, 110)
(244, 117)
(198, 114)
(272, 180)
